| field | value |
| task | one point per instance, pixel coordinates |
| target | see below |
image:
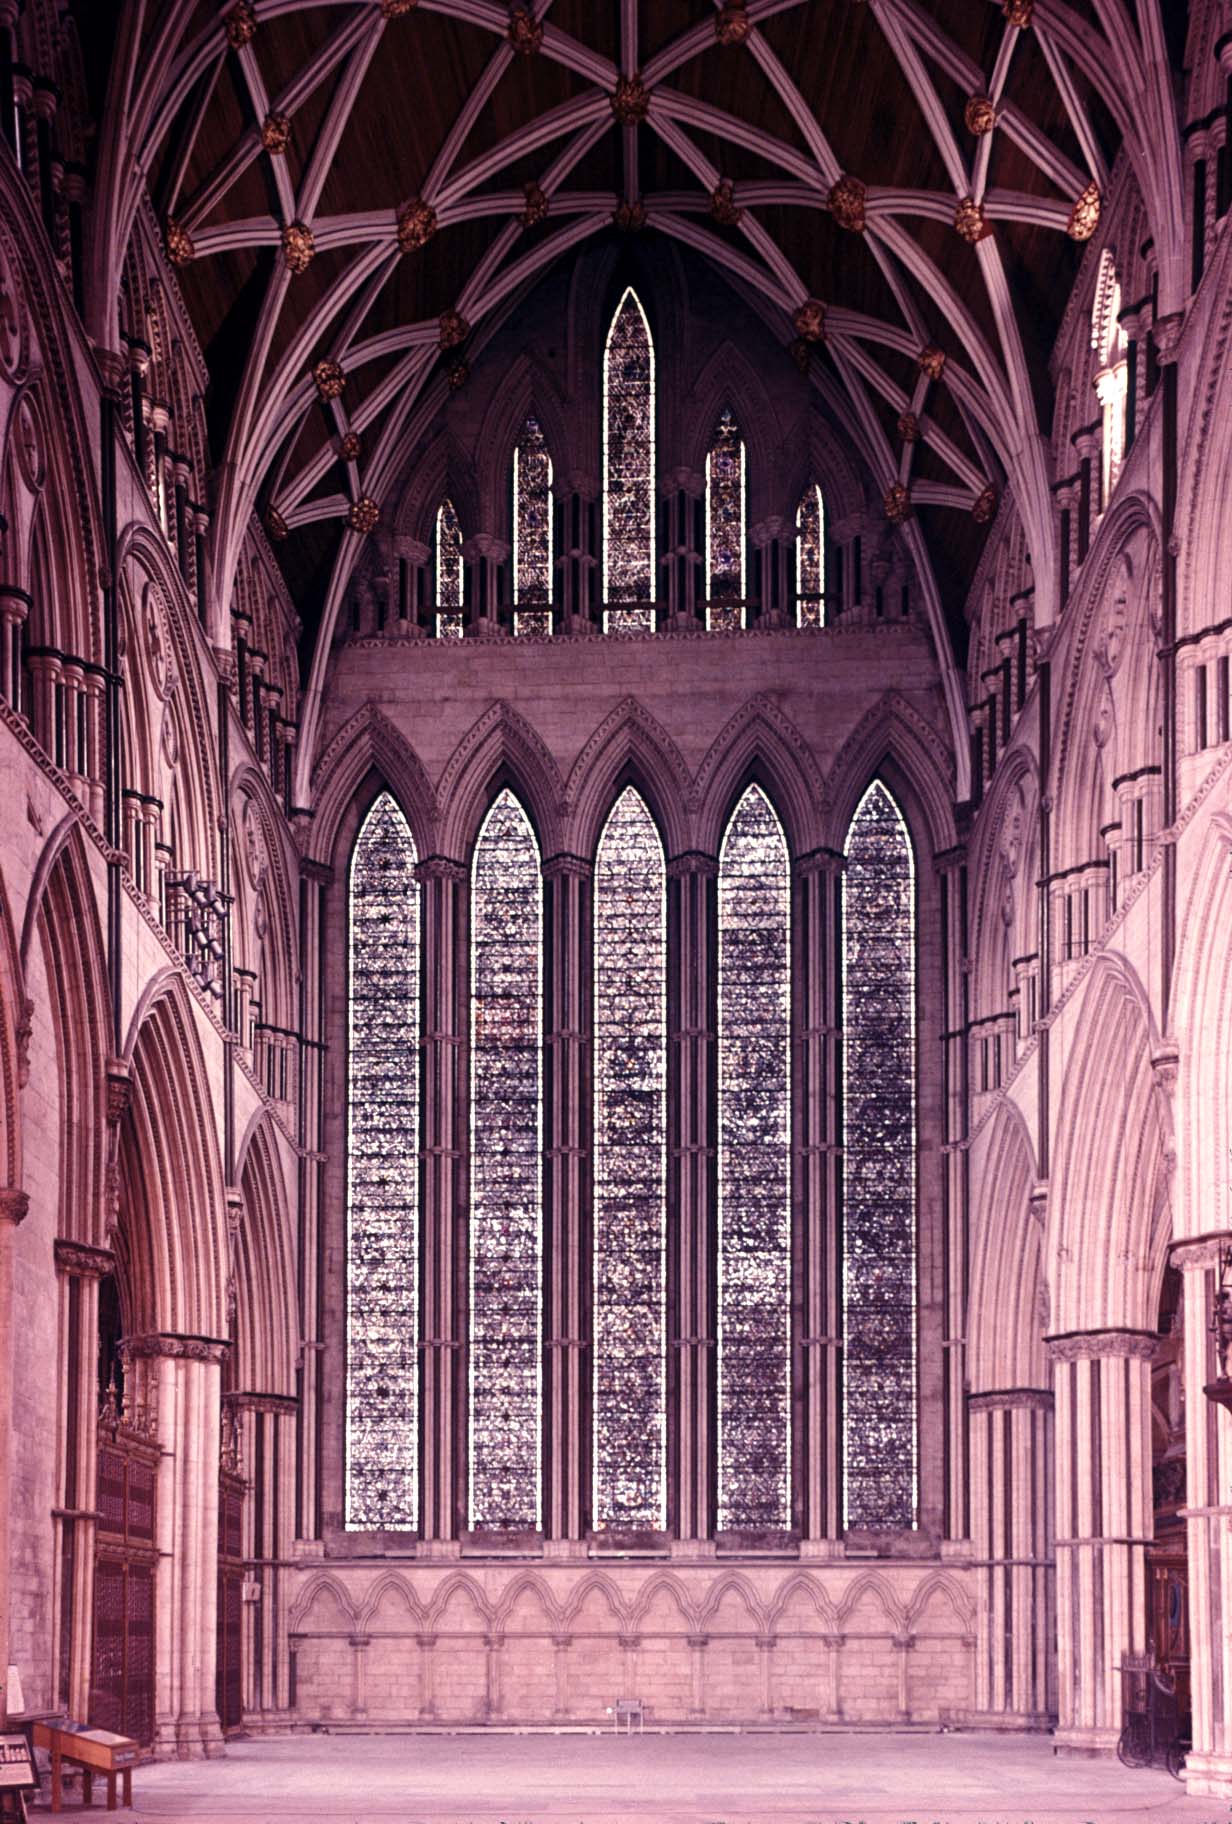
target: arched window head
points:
(532, 531)
(880, 1432)
(448, 573)
(630, 1243)
(725, 512)
(382, 1372)
(506, 1187)
(628, 470)
(811, 558)
(1112, 374)
(754, 1131)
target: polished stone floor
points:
(672, 1779)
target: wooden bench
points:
(94, 1751)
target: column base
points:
(1018, 1722)
(823, 1548)
(1086, 1741)
(1208, 1776)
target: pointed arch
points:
(880, 1325)
(448, 570)
(729, 382)
(799, 1583)
(629, 456)
(391, 1583)
(369, 744)
(759, 745)
(629, 1348)
(15, 1011)
(382, 1273)
(170, 1243)
(506, 1187)
(893, 742)
(754, 1153)
(811, 557)
(1005, 1346)
(500, 749)
(265, 1344)
(629, 747)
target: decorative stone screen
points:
(532, 531)
(448, 573)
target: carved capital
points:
(178, 1347)
(85, 1262)
(119, 1090)
(1101, 1345)
(14, 1205)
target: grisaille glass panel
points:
(725, 527)
(532, 531)
(382, 1372)
(630, 988)
(811, 558)
(448, 573)
(506, 1179)
(754, 1166)
(879, 1172)
(629, 470)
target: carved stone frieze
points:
(1101, 1345)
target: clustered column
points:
(1011, 1538)
(1102, 1388)
(79, 1270)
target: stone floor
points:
(672, 1779)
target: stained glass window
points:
(505, 1341)
(754, 1154)
(628, 471)
(811, 558)
(630, 985)
(448, 573)
(532, 531)
(382, 1380)
(879, 1223)
(725, 526)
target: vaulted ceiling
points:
(335, 177)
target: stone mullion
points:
(14, 1204)
(692, 1100)
(443, 1104)
(816, 1197)
(955, 1188)
(567, 1170)
(309, 1503)
(1103, 1473)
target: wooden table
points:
(94, 1751)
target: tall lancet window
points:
(811, 558)
(725, 579)
(382, 1371)
(879, 1170)
(754, 1248)
(532, 531)
(628, 470)
(630, 988)
(448, 573)
(506, 1200)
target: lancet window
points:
(448, 573)
(725, 511)
(506, 1181)
(629, 470)
(811, 558)
(754, 1239)
(629, 1268)
(879, 1168)
(382, 1373)
(532, 531)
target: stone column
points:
(443, 1100)
(697, 1668)
(79, 1269)
(772, 544)
(1012, 1542)
(14, 608)
(692, 925)
(682, 559)
(487, 598)
(567, 1171)
(13, 1207)
(179, 1376)
(1102, 1389)
(576, 540)
(1208, 1521)
(561, 1644)
(817, 1066)
(414, 563)
(267, 1423)
(951, 867)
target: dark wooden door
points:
(122, 1678)
(230, 1673)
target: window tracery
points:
(382, 1374)
(811, 558)
(879, 1169)
(532, 531)
(448, 573)
(725, 511)
(628, 470)
(754, 1127)
(630, 1020)
(506, 1182)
